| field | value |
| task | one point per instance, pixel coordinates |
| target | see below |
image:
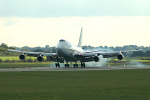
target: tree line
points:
(48, 49)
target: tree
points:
(137, 54)
(47, 46)
(147, 53)
(4, 45)
(38, 50)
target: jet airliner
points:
(66, 52)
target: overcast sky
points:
(105, 22)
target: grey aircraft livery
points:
(66, 52)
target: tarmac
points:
(74, 69)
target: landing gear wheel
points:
(57, 65)
(83, 65)
(75, 65)
(67, 65)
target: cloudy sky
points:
(105, 22)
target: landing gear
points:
(75, 65)
(67, 65)
(83, 65)
(57, 65)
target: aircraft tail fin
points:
(80, 39)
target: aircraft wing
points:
(34, 53)
(104, 54)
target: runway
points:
(74, 69)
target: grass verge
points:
(76, 85)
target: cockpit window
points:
(62, 40)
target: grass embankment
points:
(76, 85)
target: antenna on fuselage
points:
(80, 39)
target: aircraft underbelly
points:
(70, 58)
(66, 54)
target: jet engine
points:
(96, 59)
(120, 56)
(40, 58)
(22, 57)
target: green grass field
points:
(14, 57)
(24, 65)
(76, 85)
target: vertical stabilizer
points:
(80, 39)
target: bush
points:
(29, 60)
(35, 60)
(6, 61)
(1, 60)
(13, 61)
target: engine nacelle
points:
(120, 56)
(22, 57)
(96, 59)
(40, 58)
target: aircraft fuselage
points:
(67, 50)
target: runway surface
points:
(74, 69)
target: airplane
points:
(66, 52)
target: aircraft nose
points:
(60, 45)
(60, 50)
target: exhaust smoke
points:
(136, 64)
(102, 62)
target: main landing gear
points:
(57, 65)
(74, 65)
(67, 65)
(83, 65)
